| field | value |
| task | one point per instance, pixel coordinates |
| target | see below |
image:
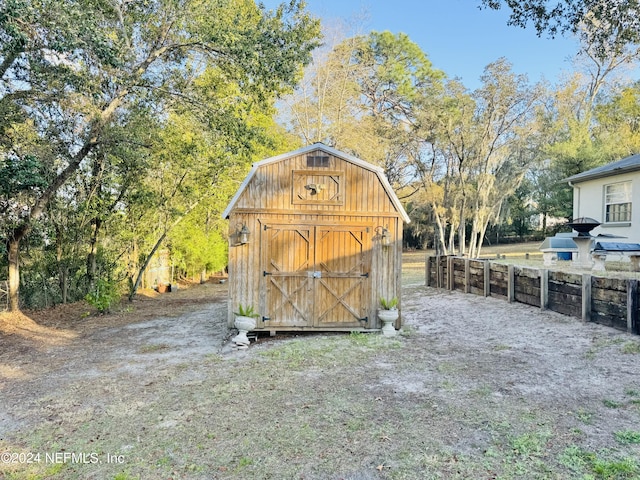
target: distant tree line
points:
(125, 127)
(472, 166)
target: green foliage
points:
(610, 30)
(618, 122)
(104, 295)
(627, 437)
(583, 462)
(584, 416)
(117, 120)
(519, 210)
(246, 311)
(124, 476)
(20, 174)
(622, 469)
(611, 403)
(359, 338)
(530, 444)
(389, 304)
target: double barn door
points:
(316, 276)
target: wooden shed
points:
(315, 241)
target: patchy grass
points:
(413, 268)
(584, 416)
(628, 437)
(459, 394)
(631, 347)
(611, 403)
(600, 466)
(601, 344)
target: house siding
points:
(588, 201)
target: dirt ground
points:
(471, 388)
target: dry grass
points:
(23, 326)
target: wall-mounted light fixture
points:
(242, 234)
(383, 235)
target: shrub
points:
(104, 295)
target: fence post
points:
(450, 272)
(632, 306)
(427, 271)
(544, 289)
(586, 297)
(467, 275)
(487, 278)
(439, 271)
(511, 284)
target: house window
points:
(617, 202)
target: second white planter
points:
(244, 325)
(388, 318)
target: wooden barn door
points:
(289, 257)
(342, 286)
(316, 276)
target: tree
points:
(519, 209)
(618, 122)
(365, 96)
(319, 106)
(187, 165)
(443, 169)
(74, 68)
(486, 136)
(611, 26)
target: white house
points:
(607, 194)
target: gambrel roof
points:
(379, 172)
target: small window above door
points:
(317, 161)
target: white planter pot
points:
(244, 325)
(388, 317)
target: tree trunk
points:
(441, 242)
(93, 253)
(147, 260)
(451, 248)
(63, 270)
(13, 246)
(483, 232)
(14, 274)
(462, 228)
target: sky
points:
(458, 38)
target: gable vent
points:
(314, 161)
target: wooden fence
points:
(607, 301)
